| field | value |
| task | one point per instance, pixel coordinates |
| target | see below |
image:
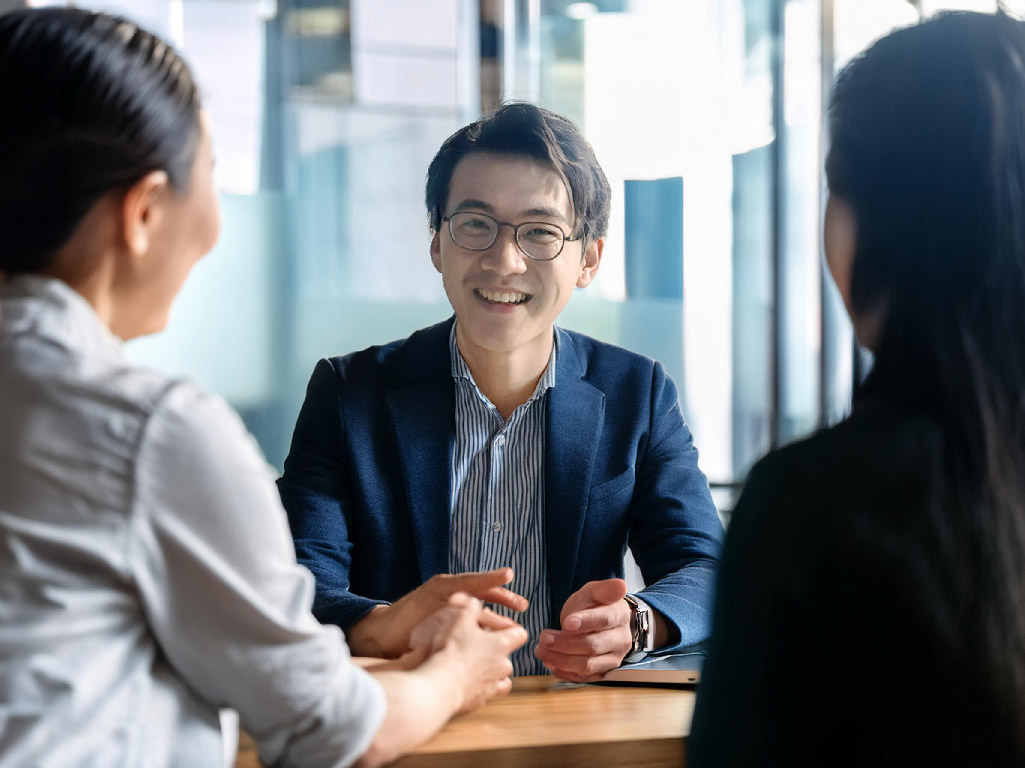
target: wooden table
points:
(545, 723)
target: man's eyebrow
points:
(550, 213)
(470, 203)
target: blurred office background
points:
(707, 116)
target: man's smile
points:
(502, 296)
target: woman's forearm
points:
(420, 702)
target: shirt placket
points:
(493, 526)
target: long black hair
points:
(928, 148)
(89, 103)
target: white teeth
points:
(502, 298)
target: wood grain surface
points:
(556, 725)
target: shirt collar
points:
(50, 308)
(460, 370)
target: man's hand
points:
(385, 631)
(595, 633)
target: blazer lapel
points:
(575, 414)
(422, 408)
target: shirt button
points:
(496, 527)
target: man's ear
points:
(590, 262)
(436, 251)
(141, 211)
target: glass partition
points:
(725, 97)
(707, 116)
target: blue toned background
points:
(707, 116)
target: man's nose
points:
(504, 257)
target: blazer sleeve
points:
(676, 534)
(315, 492)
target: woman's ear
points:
(142, 211)
(840, 238)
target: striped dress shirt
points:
(498, 505)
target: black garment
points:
(847, 624)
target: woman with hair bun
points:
(147, 576)
(871, 599)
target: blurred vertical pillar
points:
(653, 251)
(510, 51)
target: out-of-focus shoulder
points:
(875, 455)
(193, 422)
(875, 437)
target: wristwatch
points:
(642, 629)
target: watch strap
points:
(641, 626)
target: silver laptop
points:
(676, 669)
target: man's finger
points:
(572, 677)
(486, 585)
(576, 667)
(592, 644)
(594, 593)
(597, 619)
(503, 596)
(477, 582)
(608, 591)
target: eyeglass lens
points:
(478, 231)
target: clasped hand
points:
(595, 634)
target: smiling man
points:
(497, 454)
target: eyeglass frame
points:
(516, 234)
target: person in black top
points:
(871, 598)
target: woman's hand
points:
(458, 661)
(434, 631)
(385, 631)
(470, 644)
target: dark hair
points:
(928, 148)
(519, 128)
(90, 103)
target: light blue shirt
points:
(498, 505)
(147, 575)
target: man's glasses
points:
(477, 232)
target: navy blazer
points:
(367, 482)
